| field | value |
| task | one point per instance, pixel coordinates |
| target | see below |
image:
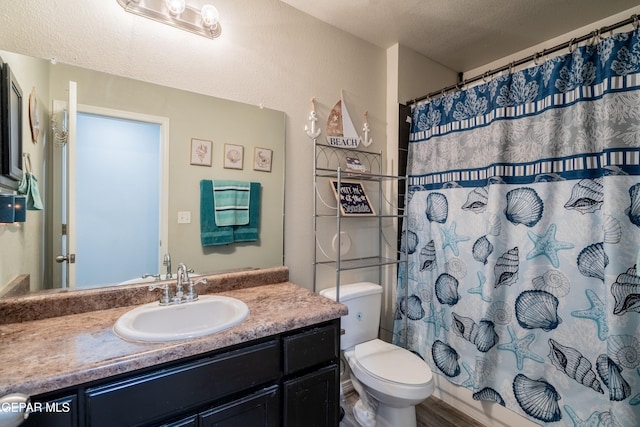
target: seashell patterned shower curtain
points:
(524, 238)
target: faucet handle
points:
(156, 276)
(167, 263)
(165, 299)
(192, 295)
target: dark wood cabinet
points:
(290, 379)
(60, 411)
(311, 400)
(261, 409)
(157, 395)
(190, 421)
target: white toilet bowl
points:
(394, 377)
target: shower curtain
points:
(524, 237)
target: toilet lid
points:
(392, 363)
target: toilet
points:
(389, 379)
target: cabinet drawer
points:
(261, 409)
(156, 395)
(310, 348)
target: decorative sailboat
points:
(340, 129)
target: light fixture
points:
(176, 7)
(179, 14)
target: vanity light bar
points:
(190, 19)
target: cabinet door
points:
(311, 348)
(61, 412)
(261, 409)
(313, 399)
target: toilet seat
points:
(392, 364)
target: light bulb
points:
(176, 7)
(209, 16)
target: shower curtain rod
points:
(570, 44)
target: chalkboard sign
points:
(352, 197)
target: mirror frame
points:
(10, 135)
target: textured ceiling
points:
(461, 34)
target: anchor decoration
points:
(313, 132)
(366, 141)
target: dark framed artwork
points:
(10, 129)
(352, 198)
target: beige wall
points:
(20, 238)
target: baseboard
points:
(346, 387)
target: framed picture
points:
(11, 126)
(262, 159)
(233, 156)
(201, 152)
(352, 198)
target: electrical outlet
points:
(184, 217)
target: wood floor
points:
(431, 413)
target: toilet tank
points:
(363, 300)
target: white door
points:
(116, 192)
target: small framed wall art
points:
(233, 156)
(262, 159)
(201, 152)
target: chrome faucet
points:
(182, 279)
(166, 298)
(167, 263)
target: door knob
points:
(63, 258)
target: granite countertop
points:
(44, 355)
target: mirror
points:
(30, 248)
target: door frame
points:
(164, 124)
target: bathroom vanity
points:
(278, 367)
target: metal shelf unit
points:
(329, 164)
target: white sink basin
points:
(156, 323)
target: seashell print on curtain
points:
(524, 238)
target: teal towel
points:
(231, 202)
(250, 232)
(210, 233)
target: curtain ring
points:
(535, 58)
(572, 45)
(511, 65)
(442, 94)
(485, 76)
(635, 20)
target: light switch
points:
(184, 217)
